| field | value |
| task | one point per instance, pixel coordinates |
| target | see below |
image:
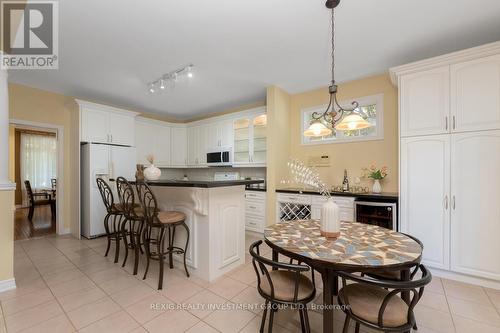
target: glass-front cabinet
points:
(250, 140)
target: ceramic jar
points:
(152, 173)
(330, 219)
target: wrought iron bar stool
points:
(114, 213)
(158, 224)
(133, 224)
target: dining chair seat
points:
(169, 217)
(365, 302)
(284, 286)
(119, 207)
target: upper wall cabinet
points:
(104, 124)
(250, 140)
(424, 102)
(220, 134)
(178, 146)
(153, 139)
(475, 94)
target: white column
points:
(4, 132)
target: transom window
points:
(370, 108)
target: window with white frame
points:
(370, 108)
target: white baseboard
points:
(465, 278)
(7, 285)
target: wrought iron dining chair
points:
(158, 224)
(375, 303)
(114, 214)
(285, 284)
(38, 199)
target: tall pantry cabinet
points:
(449, 122)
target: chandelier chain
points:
(333, 45)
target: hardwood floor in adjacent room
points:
(42, 224)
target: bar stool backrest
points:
(106, 194)
(148, 202)
(127, 197)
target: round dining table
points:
(359, 248)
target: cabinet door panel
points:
(179, 146)
(425, 165)
(475, 214)
(143, 142)
(475, 94)
(121, 129)
(424, 102)
(95, 126)
(162, 146)
(192, 145)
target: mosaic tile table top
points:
(358, 245)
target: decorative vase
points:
(139, 174)
(330, 219)
(377, 188)
(152, 172)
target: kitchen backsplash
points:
(208, 173)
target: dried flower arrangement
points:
(150, 158)
(302, 174)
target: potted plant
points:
(377, 174)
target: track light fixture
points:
(169, 79)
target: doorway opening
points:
(36, 168)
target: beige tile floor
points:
(66, 285)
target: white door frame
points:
(60, 229)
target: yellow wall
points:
(356, 155)
(278, 144)
(12, 153)
(40, 106)
(6, 235)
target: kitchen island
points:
(215, 215)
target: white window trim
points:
(365, 100)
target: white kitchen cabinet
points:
(178, 146)
(153, 139)
(255, 211)
(346, 206)
(121, 129)
(250, 140)
(220, 134)
(424, 102)
(475, 212)
(424, 196)
(475, 94)
(103, 124)
(198, 145)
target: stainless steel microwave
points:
(221, 156)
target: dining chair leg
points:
(186, 247)
(264, 314)
(302, 326)
(31, 212)
(108, 235)
(346, 324)
(306, 319)
(145, 240)
(137, 245)
(356, 328)
(335, 289)
(118, 236)
(125, 241)
(271, 318)
(160, 245)
(171, 237)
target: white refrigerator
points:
(107, 162)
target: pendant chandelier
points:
(336, 116)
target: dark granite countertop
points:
(384, 196)
(203, 183)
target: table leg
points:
(328, 278)
(275, 258)
(405, 276)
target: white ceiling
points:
(109, 50)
